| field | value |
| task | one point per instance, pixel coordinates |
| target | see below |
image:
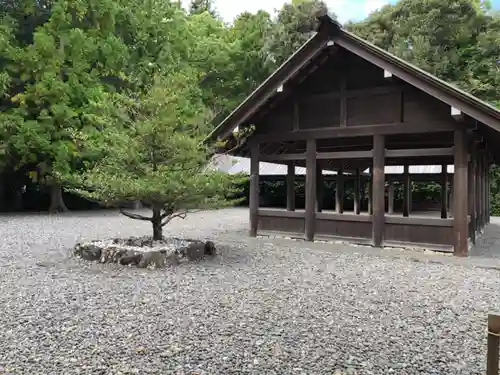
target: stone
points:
(159, 259)
(88, 252)
(131, 259)
(210, 249)
(195, 251)
(113, 254)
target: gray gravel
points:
(262, 307)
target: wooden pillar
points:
(493, 348)
(488, 191)
(480, 193)
(477, 189)
(310, 189)
(460, 225)
(444, 191)
(378, 184)
(472, 199)
(254, 188)
(390, 198)
(319, 188)
(357, 208)
(339, 191)
(290, 187)
(485, 189)
(369, 185)
(406, 191)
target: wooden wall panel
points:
(324, 79)
(376, 109)
(418, 234)
(279, 119)
(365, 76)
(419, 106)
(320, 113)
(338, 228)
(295, 225)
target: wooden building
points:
(342, 104)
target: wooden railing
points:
(493, 353)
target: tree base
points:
(144, 252)
(57, 204)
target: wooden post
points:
(460, 224)
(290, 187)
(369, 184)
(477, 189)
(485, 189)
(339, 191)
(310, 189)
(319, 188)
(357, 208)
(444, 191)
(378, 182)
(480, 193)
(406, 191)
(488, 191)
(492, 357)
(390, 198)
(472, 199)
(254, 189)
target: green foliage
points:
(157, 156)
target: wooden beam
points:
(290, 187)
(310, 190)
(419, 152)
(460, 211)
(357, 203)
(254, 189)
(378, 182)
(492, 356)
(406, 191)
(419, 221)
(339, 191)
(344, 155)
(358, 131)
(358, 93)
(444, 191)
(390, 198)
(283, 157)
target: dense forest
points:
(78, 74)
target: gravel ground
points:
(262, 307)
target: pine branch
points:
(181, 215)
(135, 216)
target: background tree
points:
(201, 6)
(56, 85)
(295, 23)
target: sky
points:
(346, 10)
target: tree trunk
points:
(157, 228)
(56, 199)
